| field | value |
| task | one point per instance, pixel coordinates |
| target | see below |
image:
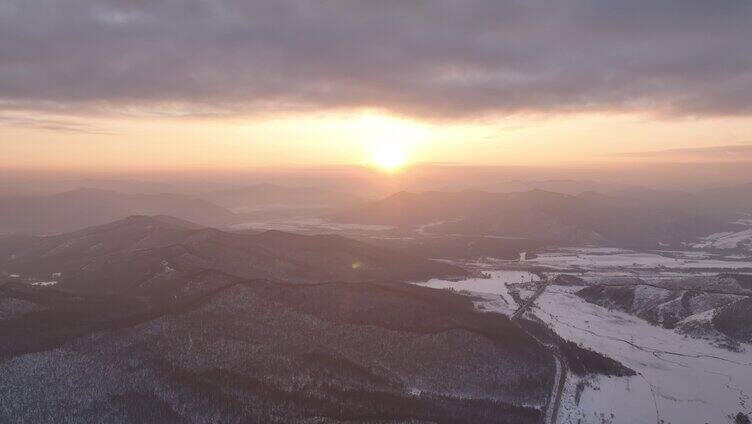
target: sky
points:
(137, 85)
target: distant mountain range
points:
(736, 199)
(271, 196)
(559, 218)
(731, 200)
(636, 217)
(81, 208)
(144, 256)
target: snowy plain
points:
(727, 240)
(492, 292)
(306, 225)
(606, 258)
(680, 380)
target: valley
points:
(535, 307)
(679, 377)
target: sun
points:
(389, 156)
(390, 143)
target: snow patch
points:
(684, 380)
(602, 259)
(726, 240)
(493, 291)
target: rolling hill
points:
(82, 208)
(143, 255)
(155, 319)
(271, 196)
(712, 307)
(589, 218)
(257, 351)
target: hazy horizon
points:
(371, 182)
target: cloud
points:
(440, 58)
(51, 124)
(733, 153)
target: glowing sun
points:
(389, 156)
(390, 143)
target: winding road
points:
(554, 401)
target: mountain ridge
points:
(148, 254)
(539, 215)
(81, 208)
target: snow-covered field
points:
(44, 283)
(607, 400)
(610, 259)
(728, 240)
(308, 225)
(740, 239)
(493, 291)
(680, 379)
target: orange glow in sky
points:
(366, 138)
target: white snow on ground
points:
(680, 380)
(421, 229)
(492, 290)
(308, 224)
(44, 283)
(704, 316)
(606, 400)
(166, 268)
(597, 250)
(609, 259)
(727, 240)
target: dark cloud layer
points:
(433, 58)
